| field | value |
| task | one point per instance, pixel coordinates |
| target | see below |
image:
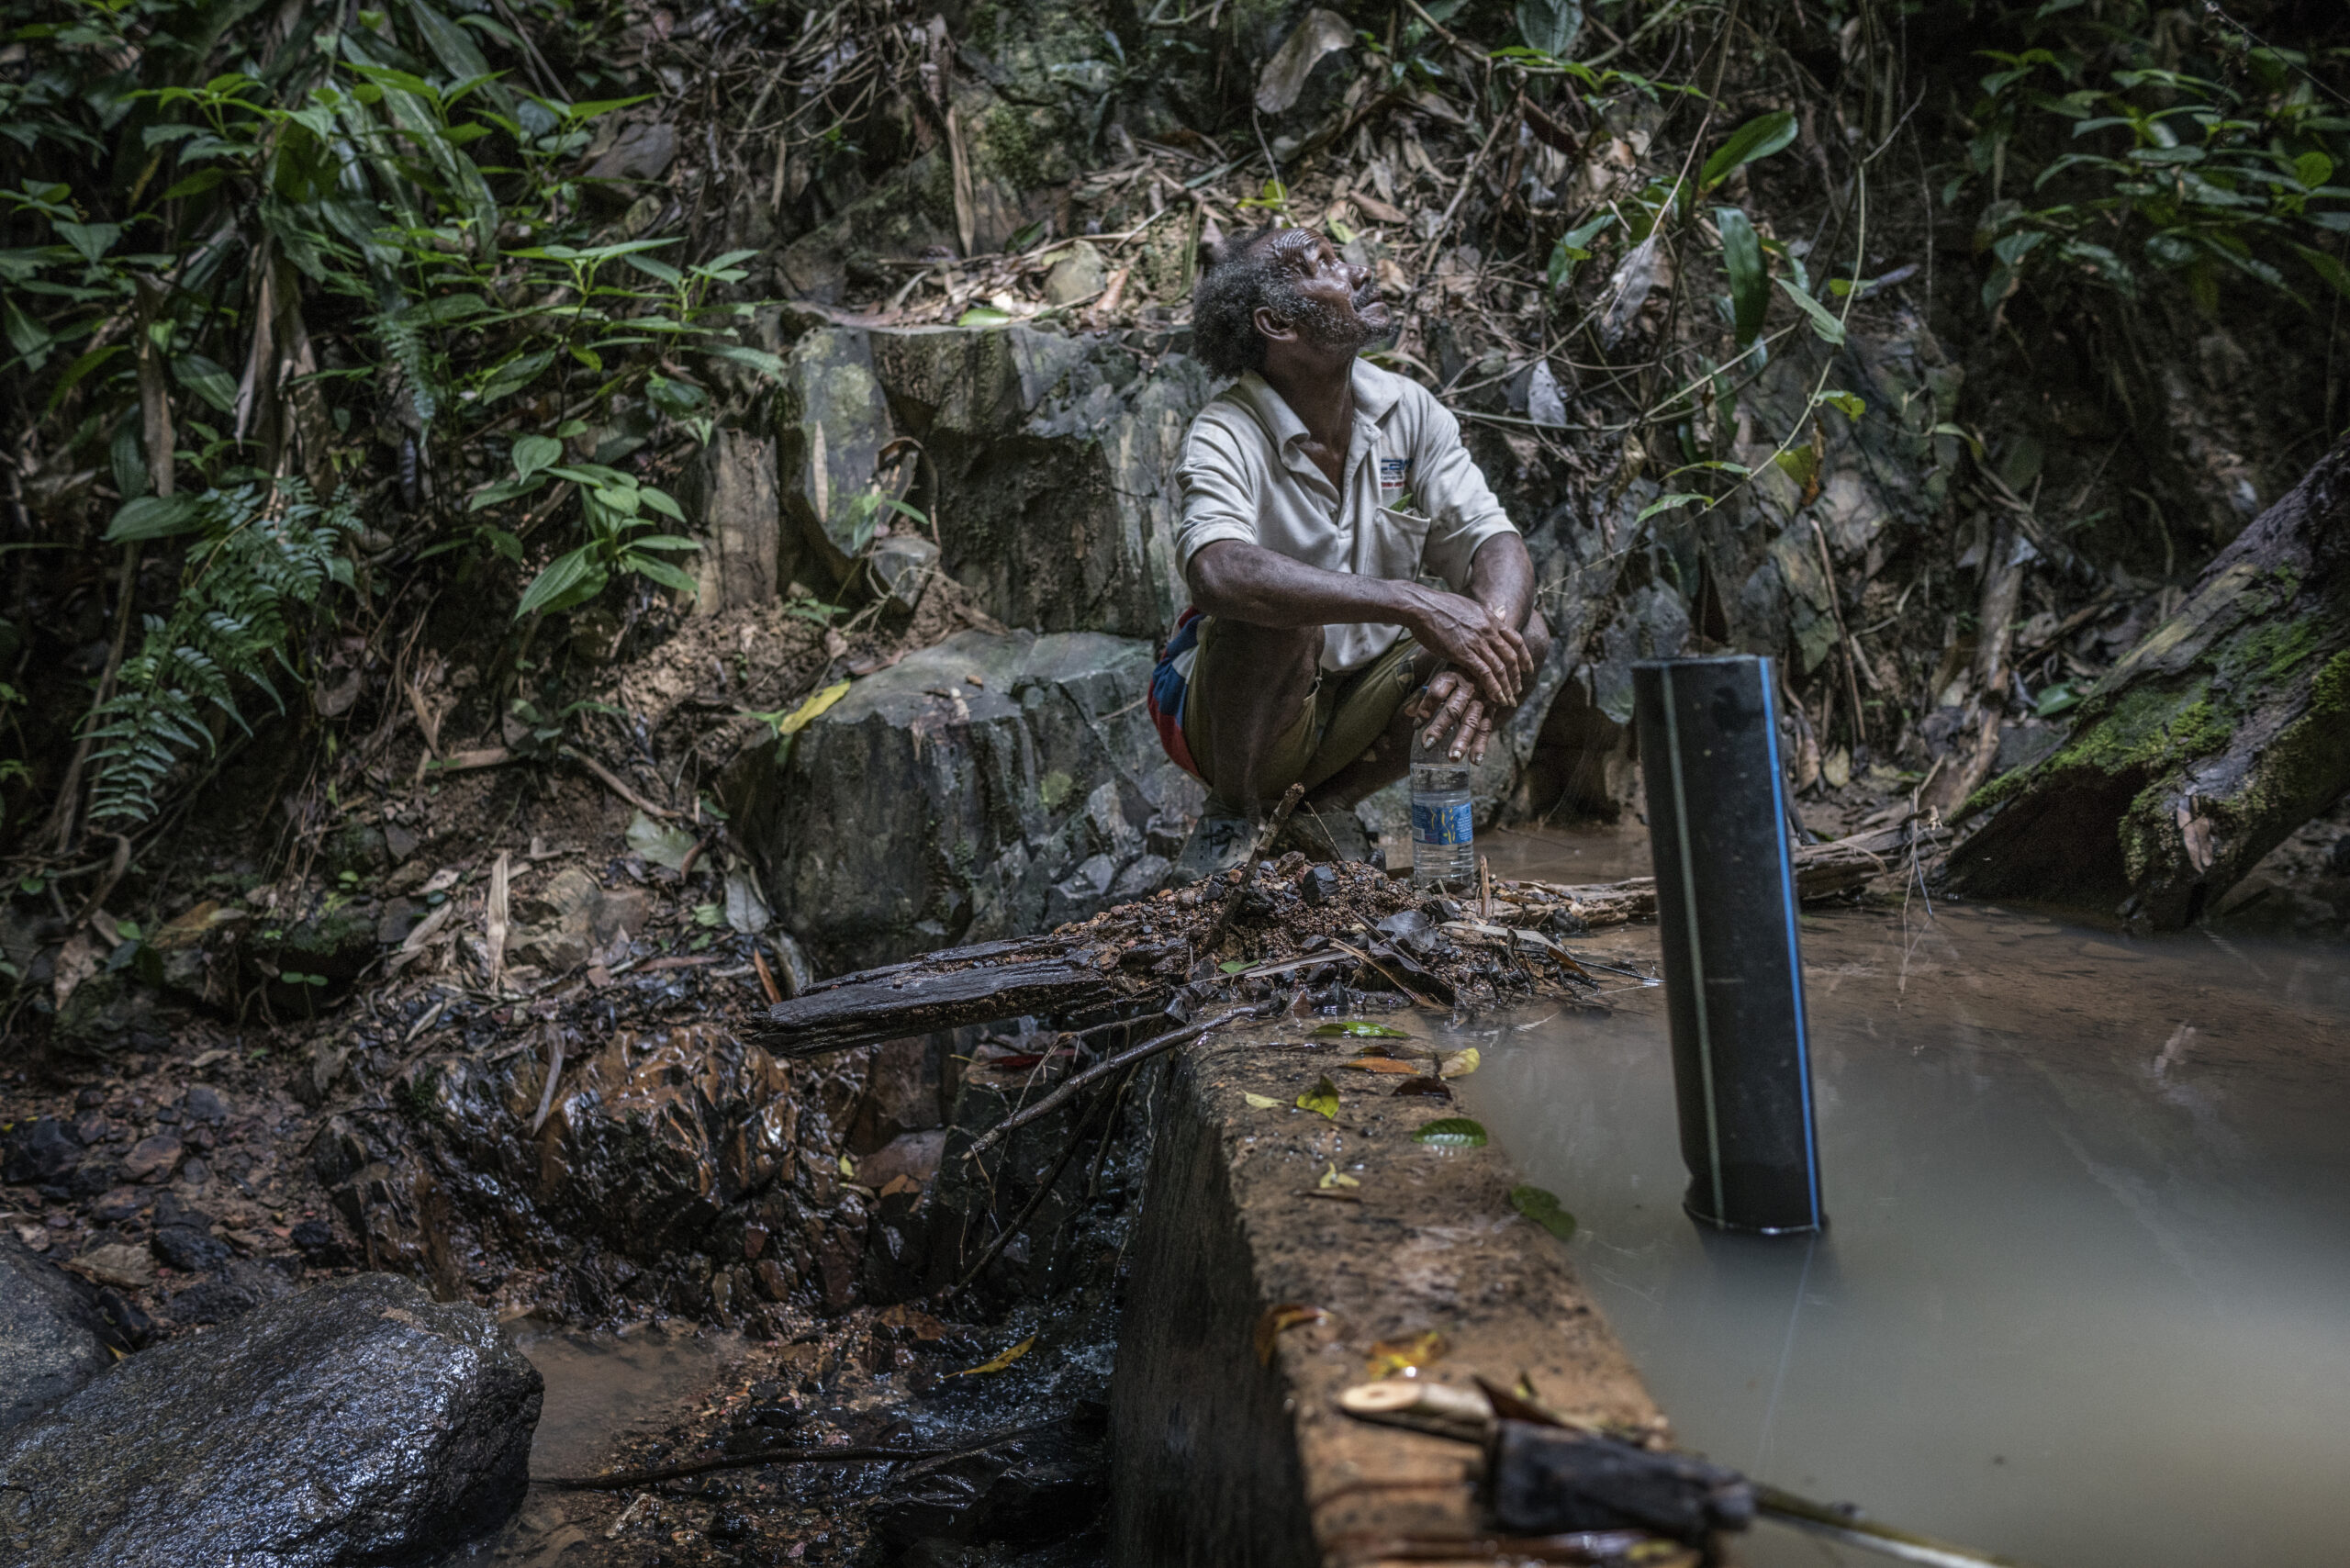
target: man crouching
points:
(1318, 490)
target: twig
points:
(1036, 1201)
(1100, 1069)
(1383, 968)
(611, 781)
(622, 1480)
(1851, 649)
(1476, 167)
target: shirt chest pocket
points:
(1401, 511)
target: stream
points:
(2080, 1298)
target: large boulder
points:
(49, 1336)
(984, 788)
(357, 1422)
(1045, 465)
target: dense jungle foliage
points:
(318, 317)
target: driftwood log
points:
(2199, 753)
(1076, 981)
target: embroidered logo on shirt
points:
(1394, 473)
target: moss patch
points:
(2147, 727)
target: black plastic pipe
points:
(1726, 909)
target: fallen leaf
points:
(1433, 1088)
(123, 1266)
(1232, 966)
(1334, 1176)
(1380, 1064)
(1278, 1320)
(1259, 1101)
(800, 718)
(1462, 1064)
(996, 1363)
(1451, 1132)
(76, 962)
(1322, 1097)
(1362, 1029)
(1542, 1208)
(662, 845)
(848, 1167)
(1407, 1356)
(900, 1184)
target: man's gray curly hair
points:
(1236, 277)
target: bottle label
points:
(1441, 821)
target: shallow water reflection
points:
(601, 1390)
(2084, 1295)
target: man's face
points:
(1332, 303)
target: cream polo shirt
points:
(1413, 501)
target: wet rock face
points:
(677, 1153)
(358, 1422)
(977, 789)
(1050, 473)
(49, 1342)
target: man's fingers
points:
(1520, 653)
(1449, 719)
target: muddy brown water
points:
(601, 1390)
(2082, 1296)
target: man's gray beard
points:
(1325, 329)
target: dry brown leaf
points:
(1381, 1064)
(75, 963)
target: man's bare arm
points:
(1248, 582)
(1501, 579)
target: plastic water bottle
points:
(1444, 840)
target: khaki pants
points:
(1341, 716)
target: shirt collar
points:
(1376, 392)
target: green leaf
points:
(533, 453)
(660, 571)
(1573, 247)
(1232, 966)
(1361, 1029)
(2313, 169)
(1800, 463)
(1550, 25)
(570, 579)
(2327, 267)
(152, 517)
(1750, 278)
(766, 363)
(1826, 325)
(1451, 1132)
(1758, 138)
(1848, 402)
(207, 380)
(92, 240)
(1666, 503)
(983, 316)
(1259, 1101)
(26, 336)
(1542, 1208)
(1323, 1098)
(2054, 700)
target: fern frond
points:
(256, 568)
